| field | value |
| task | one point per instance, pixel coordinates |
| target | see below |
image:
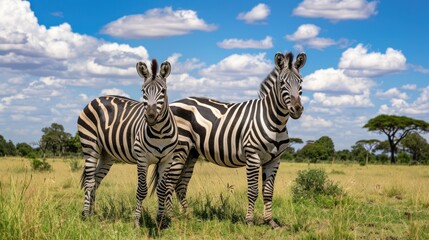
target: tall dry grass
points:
(382, 202)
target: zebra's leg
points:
(141, 190)
(104, 165)
(252, 172)
(180, 154)
(182, 185)
(269, 171)
(88, 183)
(161, 192)
(171, 180)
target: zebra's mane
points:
(268, 83)
(154, 66)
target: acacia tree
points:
(54, 139)
(396, 128)
(369, 145)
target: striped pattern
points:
(251, 133)
(118, 128)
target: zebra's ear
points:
(279, 60)
(165, 69)
(142, 70)
(300, 60)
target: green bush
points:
(313, 184)
(404, 158)
(40, 165)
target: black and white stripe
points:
(142, 133)
(251, 133)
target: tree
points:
(321, 149)
(24, 149)
(54, 139)
(414, 144)
(396, 128)
(7, 148)
(73, 144)
(369, 145)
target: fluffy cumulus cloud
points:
(344, 100)
(359, 62)
(309, 123)
(265, 43)
(306, 36)
(114, 91)
(336, 9)
(400, 106)
(235, 78)
(188, 65)
(391, 93)
(335, 80)
(258, 13)
(36, 50)
(157, 23)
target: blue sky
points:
(364, 58)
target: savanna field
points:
(380, 202)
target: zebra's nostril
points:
(298, 108)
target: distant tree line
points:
(404, 144)
(55, 142)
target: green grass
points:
(382, 202)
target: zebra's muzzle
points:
(296, 111)
(150, 116)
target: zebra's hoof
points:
(249, 221)
(163, 222)
(84, 216)
(136, 223)
(273, 224)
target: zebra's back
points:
(109, 124)
(216, 129)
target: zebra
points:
(251, 133)
(142, 133)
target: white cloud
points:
(304, 32)
(265, 43)
(346, 100)
(306, 35)
(309, 122)
(188, 65)
(156, 23)
(409, 87)
(235, 78)
(57, 51)
(334, 80)
(239, 65)
(358, 62)
(336, 9)
(391, 93)
(418, 108)
(258, 13)
(114, 91)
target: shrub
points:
(40, 165)
(404, 158)
(313, 184)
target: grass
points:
(382, 202)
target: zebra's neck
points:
(163, 124)
(277, 113)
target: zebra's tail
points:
(154, 179)
(82, 179)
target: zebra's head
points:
(154, 89)
(289, 80)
